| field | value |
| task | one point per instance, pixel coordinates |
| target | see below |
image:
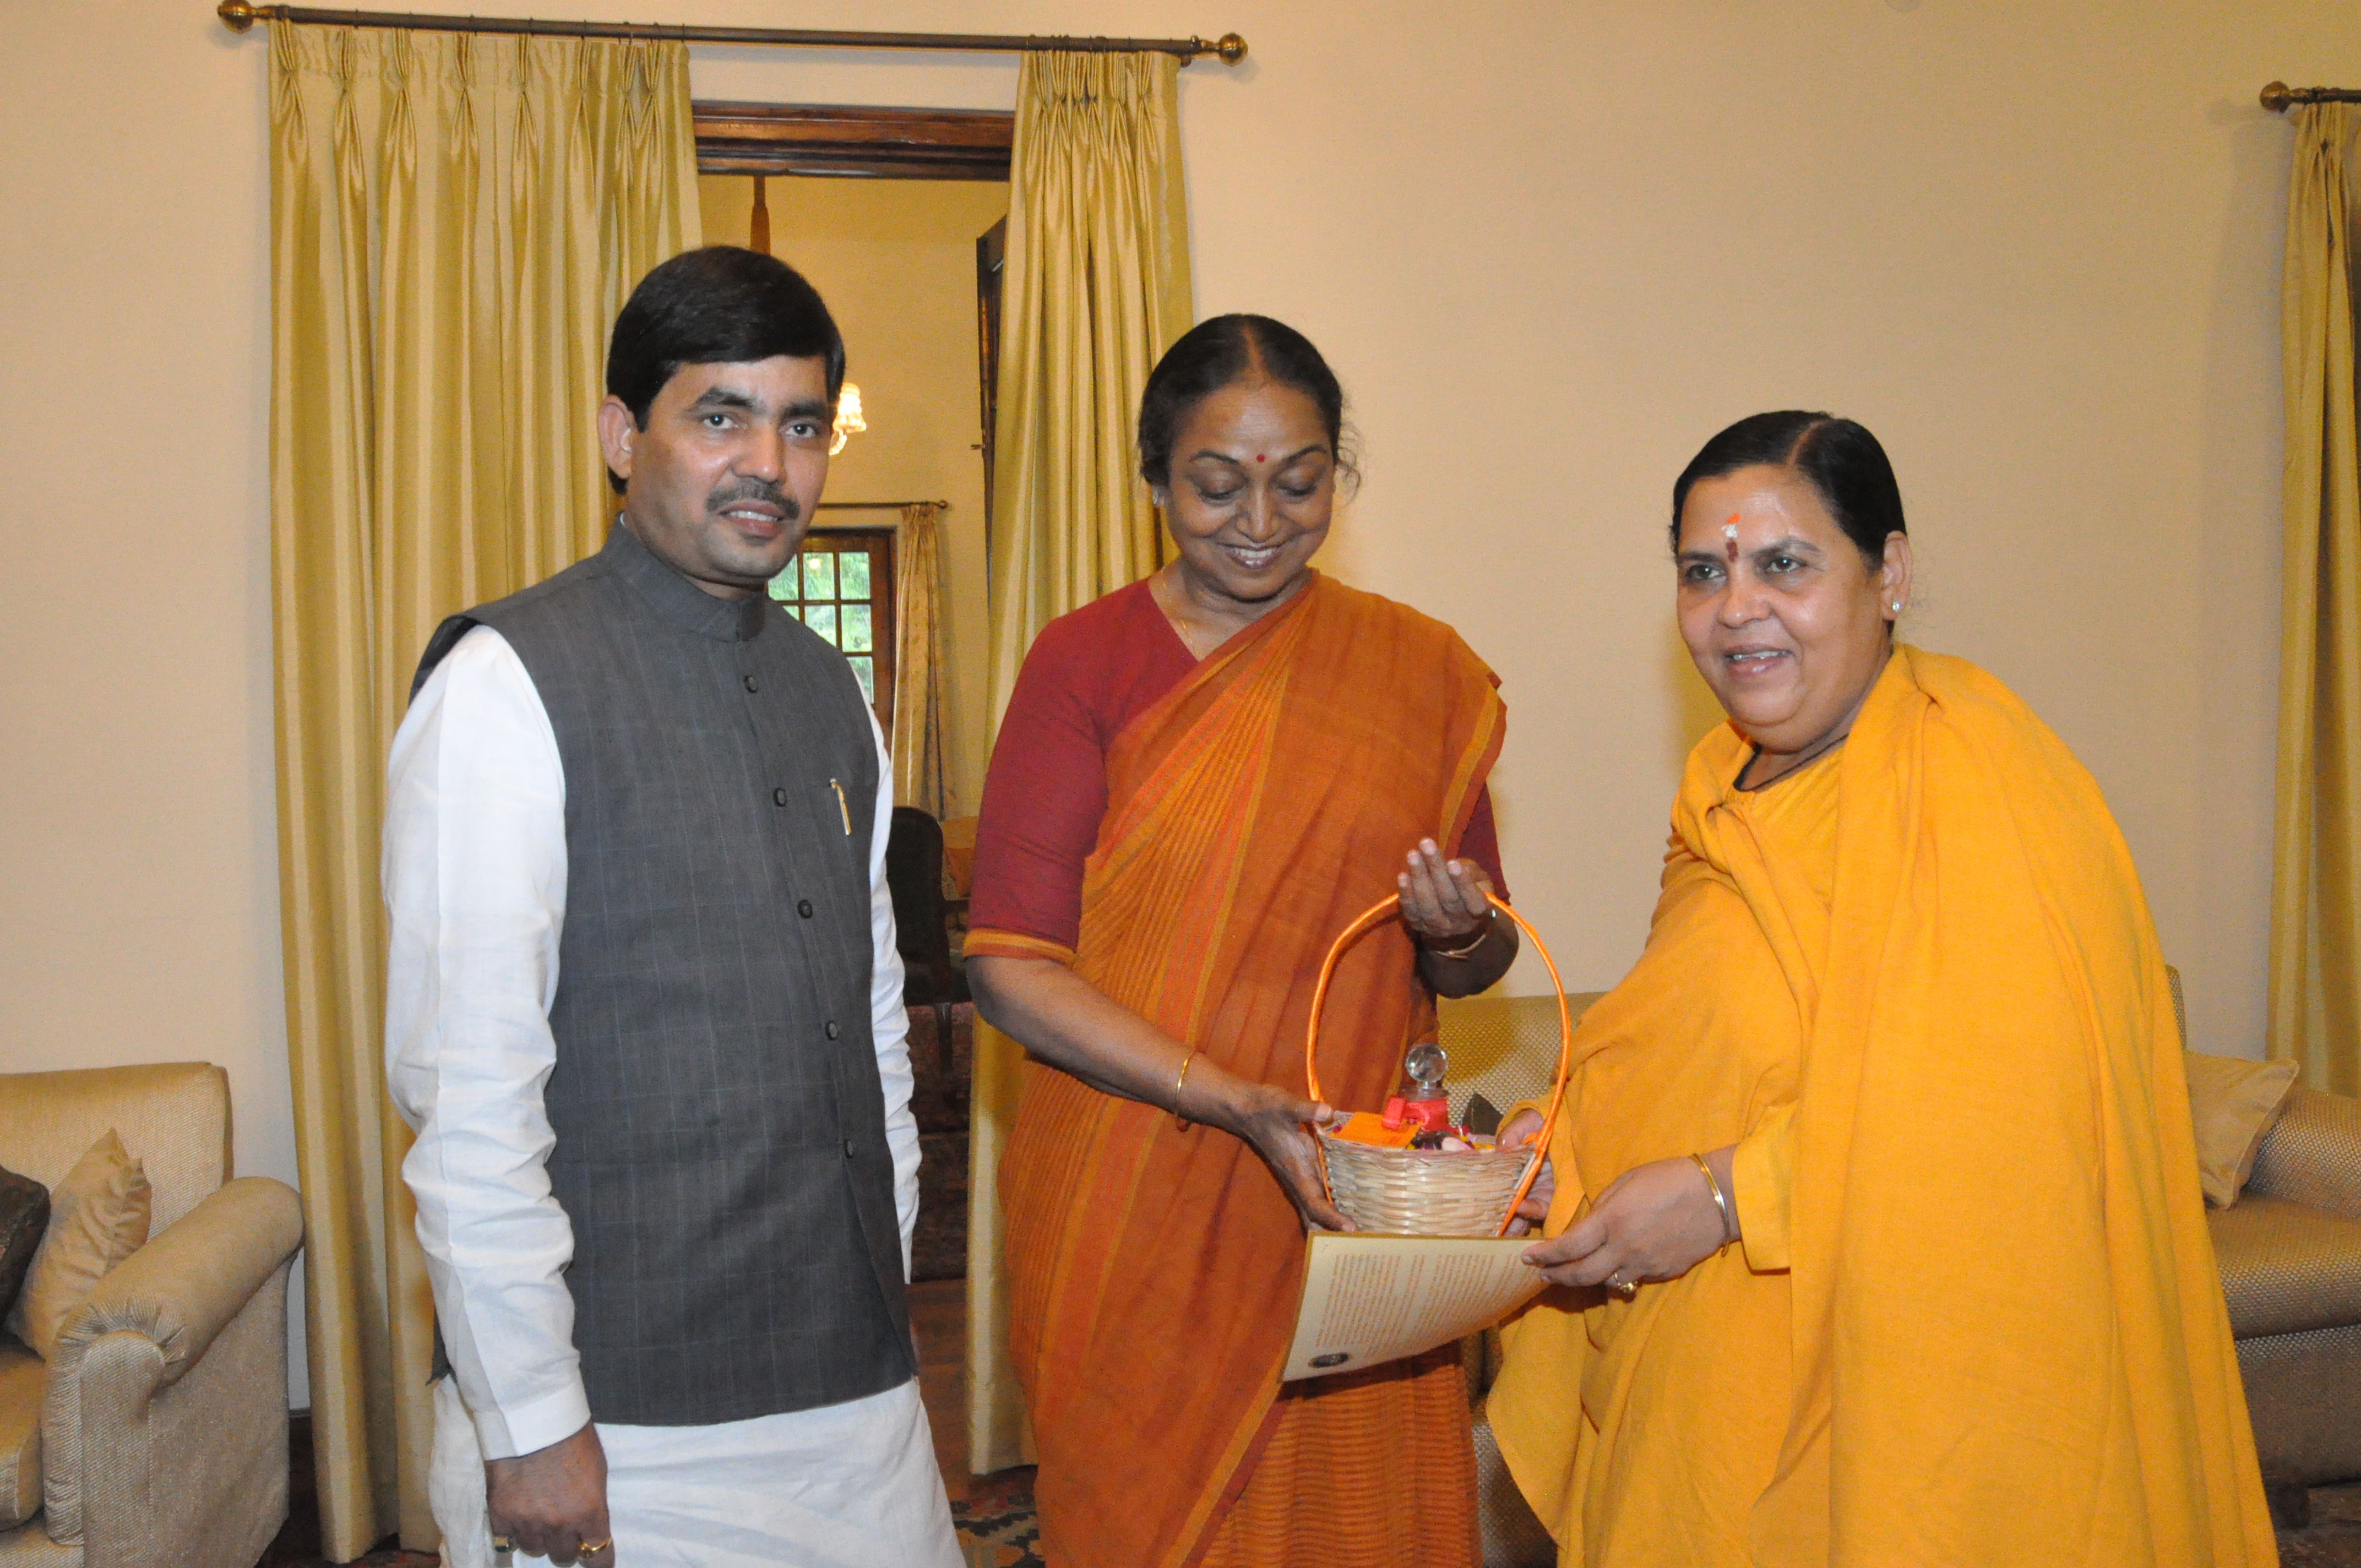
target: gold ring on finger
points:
(587, 1547)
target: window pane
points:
(819, 575)
(822, 617)
(796, 610)
(852, 575)
(864, 670)
(788, 585)
(856, 624)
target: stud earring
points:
(1897, 607)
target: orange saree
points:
(1252, 813)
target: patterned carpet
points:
(997, 1529)
(2333, 1540)
(998, 1532)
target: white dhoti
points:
(851, 1485)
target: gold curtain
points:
(2315, 990)
(1097, 288)
(456, 221)
(918, 661)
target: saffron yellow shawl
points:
(1975, 1319)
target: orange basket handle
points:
(1367, 920)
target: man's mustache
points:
(729, 495)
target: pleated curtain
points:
(2315, 969)
(918, 738)
(1096, 288)
(456, 221)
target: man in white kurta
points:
(476, 872)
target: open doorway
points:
(897, 217)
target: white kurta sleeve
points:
(889, 1022)
(475, 886)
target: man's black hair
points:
(721, 305)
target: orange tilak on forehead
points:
(1730, 539)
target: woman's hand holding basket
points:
(1271, 1122)
(1515, 1133)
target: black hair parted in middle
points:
(1839, 459)
(1218, 351)
(719, 305)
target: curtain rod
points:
(878, 506)
(238, 15)
(2278, 97)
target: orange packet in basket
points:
(1369, 1127)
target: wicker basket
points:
(1426, 1192)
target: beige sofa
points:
(158, 1434)
(2290, 1256)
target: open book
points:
(1369, 1300)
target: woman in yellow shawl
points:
(1877, 1195)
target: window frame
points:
(877, 544)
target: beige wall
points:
(895, 260)
(1551, 246)
(139, 850)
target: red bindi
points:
(1257, 456)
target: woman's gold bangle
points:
(1729, 1221)
(1178, 1084)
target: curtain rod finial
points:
(1231, 48)
(237, 15)
(2276, 97)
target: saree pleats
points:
(1317, 1491)
(1156, 1269)
(1976, 1318)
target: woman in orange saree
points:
(1882, 1151)
(1159, 1176)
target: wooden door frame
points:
(851, 142)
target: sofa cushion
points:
(98, 1216)
(24, 1221)
(2287, 1267)
(2233, 1103)
(23, 1381)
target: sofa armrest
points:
(181, 1288)
(2313, 1155)
(176, 1294)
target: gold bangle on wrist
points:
(1729, 1220)
(1468, 950)
(1178, 1084)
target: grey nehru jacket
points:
(720, 1129)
